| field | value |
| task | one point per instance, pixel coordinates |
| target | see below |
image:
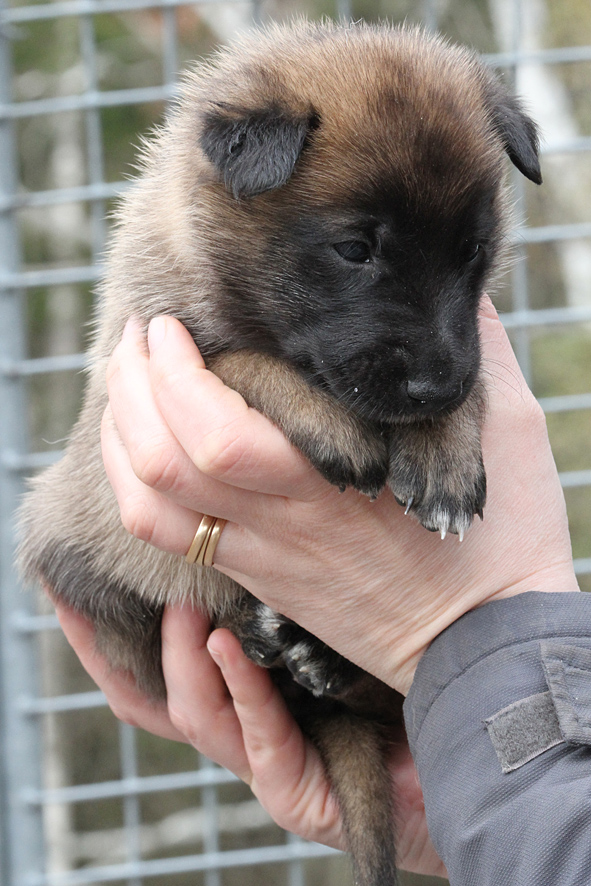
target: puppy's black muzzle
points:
(432, 395)
(387, 386)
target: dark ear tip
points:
(529, 166)
(534, 174)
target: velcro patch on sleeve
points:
(524, 730)
(529, 727)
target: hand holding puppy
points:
(235, 460)
(360, 575)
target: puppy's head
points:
(357, 208)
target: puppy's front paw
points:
(443, 492)
(436, 468)
(349, 454)
(442, 502)
(365, 471)
(346, 450)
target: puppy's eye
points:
(354, 250)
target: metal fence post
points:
(22, 838)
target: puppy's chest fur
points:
(322, 210)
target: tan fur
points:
(310, 417)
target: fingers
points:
(199, 709)
(223, 437)
(158, 519)
(161, 492)
(155, 455)
(199, 703)
(177, 420)
(126, 702)
(145, 513)
(248, 729)
(287, 774)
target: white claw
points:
(443, 534)
(461, 535)
(408, 505)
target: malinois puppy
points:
(322, 210)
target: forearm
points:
(530, 825)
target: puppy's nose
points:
(434, 393)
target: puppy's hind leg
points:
(127, 627)
(272, 640)
(353, 748)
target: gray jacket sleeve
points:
(499, 724)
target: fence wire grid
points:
(84, 799)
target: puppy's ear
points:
(255, 151)
(518, 132)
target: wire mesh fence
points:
(84, 799)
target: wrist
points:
(410, 649)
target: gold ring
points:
(201, 536)
(208, 550)
(205, 542)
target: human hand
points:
(228, 708)
(364, 578)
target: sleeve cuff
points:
(499, 724)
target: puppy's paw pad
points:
(319, 669)
(260, 652)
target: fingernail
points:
(131, 327)
(217, 657)
(156, 332)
